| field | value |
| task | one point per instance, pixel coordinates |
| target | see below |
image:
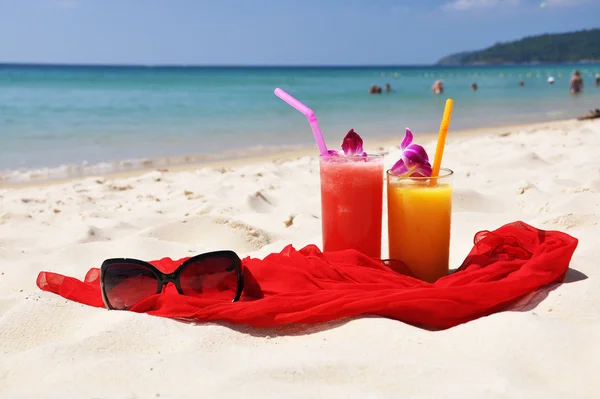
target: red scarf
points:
(308, 286)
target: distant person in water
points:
(576, 83)
(597, 79)
(550, 80)
(388, 88)
(521, 82)
(375, 90)
(438, 87)
(474, 87)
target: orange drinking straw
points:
(439, 149)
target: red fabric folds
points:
(307, 286)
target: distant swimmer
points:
(521, 82)
(597, 79)
(576, 83)
(375, 90)
(550, 80)
(388, 88)
(474, 87)
(438, 87)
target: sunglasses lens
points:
(213, 276)
(127, 284)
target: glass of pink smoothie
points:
(351, 203)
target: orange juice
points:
(419, 223)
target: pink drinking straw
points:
(310, 115)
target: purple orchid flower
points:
(352, 146)
(414, 161)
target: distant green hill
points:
(560, 47)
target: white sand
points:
(547, 175)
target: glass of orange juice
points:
(419, 213)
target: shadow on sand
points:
(531, 301)
(289, 330)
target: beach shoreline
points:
(128, 168)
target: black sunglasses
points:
(125, 282)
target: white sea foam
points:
(25, 175)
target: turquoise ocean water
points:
(61, 117)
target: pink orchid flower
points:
(352, 146)
(414, 161)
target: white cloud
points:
(462, 5)
(569, 2)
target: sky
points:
(273, 32)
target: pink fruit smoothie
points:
(351, 202)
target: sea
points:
(60, 120)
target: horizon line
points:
(117, 65)
(167, 65)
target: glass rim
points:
(444, 173)
(369, 155)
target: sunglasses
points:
(125, 282)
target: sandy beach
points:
(547, 175)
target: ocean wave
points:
(85, 169)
